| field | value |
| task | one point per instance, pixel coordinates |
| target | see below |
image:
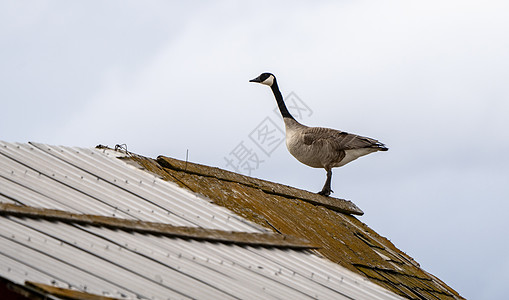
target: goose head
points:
(265, 78)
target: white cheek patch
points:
(269, 81)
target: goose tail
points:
(380, 147)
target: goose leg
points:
(326, 190)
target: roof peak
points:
(336, 204)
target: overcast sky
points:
(428, 78)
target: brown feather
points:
(338, 140)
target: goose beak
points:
(257, 79)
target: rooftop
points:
(324, 221)
(78, 223)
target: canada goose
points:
(319, 147)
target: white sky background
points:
(429, 79)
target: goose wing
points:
(339, 140)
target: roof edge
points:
(193, 233)
(339, 205)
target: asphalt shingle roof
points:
(324, 221)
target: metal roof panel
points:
(122, 264)
(95, 182)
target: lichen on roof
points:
(324, 221)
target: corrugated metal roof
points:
(90, 181)
(124, 264)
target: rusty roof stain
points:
(62, 293)
(40, 291)
(324, 221)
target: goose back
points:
(327, 148)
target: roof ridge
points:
(336, 204)
(194, 233)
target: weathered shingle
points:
(266, 186)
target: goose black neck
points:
(279, 99)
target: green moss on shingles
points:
(343, 238)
